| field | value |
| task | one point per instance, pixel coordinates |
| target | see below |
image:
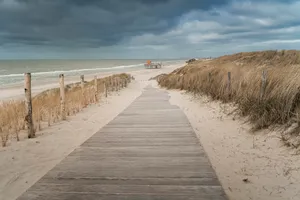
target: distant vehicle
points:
(191, 60)
(151, 65)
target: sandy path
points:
(270, 168)
(23, 163)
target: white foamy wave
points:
(51, 73)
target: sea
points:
(12, 71)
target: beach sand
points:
(23, 163)
(250, 167)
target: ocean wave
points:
(72, 71)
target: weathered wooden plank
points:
(198, 190)
(191, 162)
(152, 105)
(150, 114)
(153, 120)
(150, 123)
(86, 196)
(133, 172)
(210, 181)
(133, 167)
(138, 152)
(157, 111)
(126, 140)
(153, 117)
(126, 144)
(138, 136)
(140, 133)
(116, 125)
(146, 130)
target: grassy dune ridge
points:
(46, 105)
(279, 104)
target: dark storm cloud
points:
(89, 22)
(135, 28)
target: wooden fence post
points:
(62, 97)
(125, 82)
(121, 83)
(28, 106)
(110, 84)
(82, 89)
(82, 80)
(117, 84)
(96, 88)
(49, 117)
(105, 89)
(229, 84)
(263, 84)
(113, 84)
(209, 77)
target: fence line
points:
(53, 105)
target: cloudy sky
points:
(145, 28)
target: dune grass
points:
(46, 105)
(280, 102)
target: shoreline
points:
(15, 91)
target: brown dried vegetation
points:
(46, 105)
(278, 104)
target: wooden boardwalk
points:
(148, 152)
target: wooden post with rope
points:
(96, 89)
(82, 89)
(229, 85)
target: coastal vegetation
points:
(46, 106)
(264, 86)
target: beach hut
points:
(150, 65)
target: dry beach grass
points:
(276, 102)
(46, 105)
